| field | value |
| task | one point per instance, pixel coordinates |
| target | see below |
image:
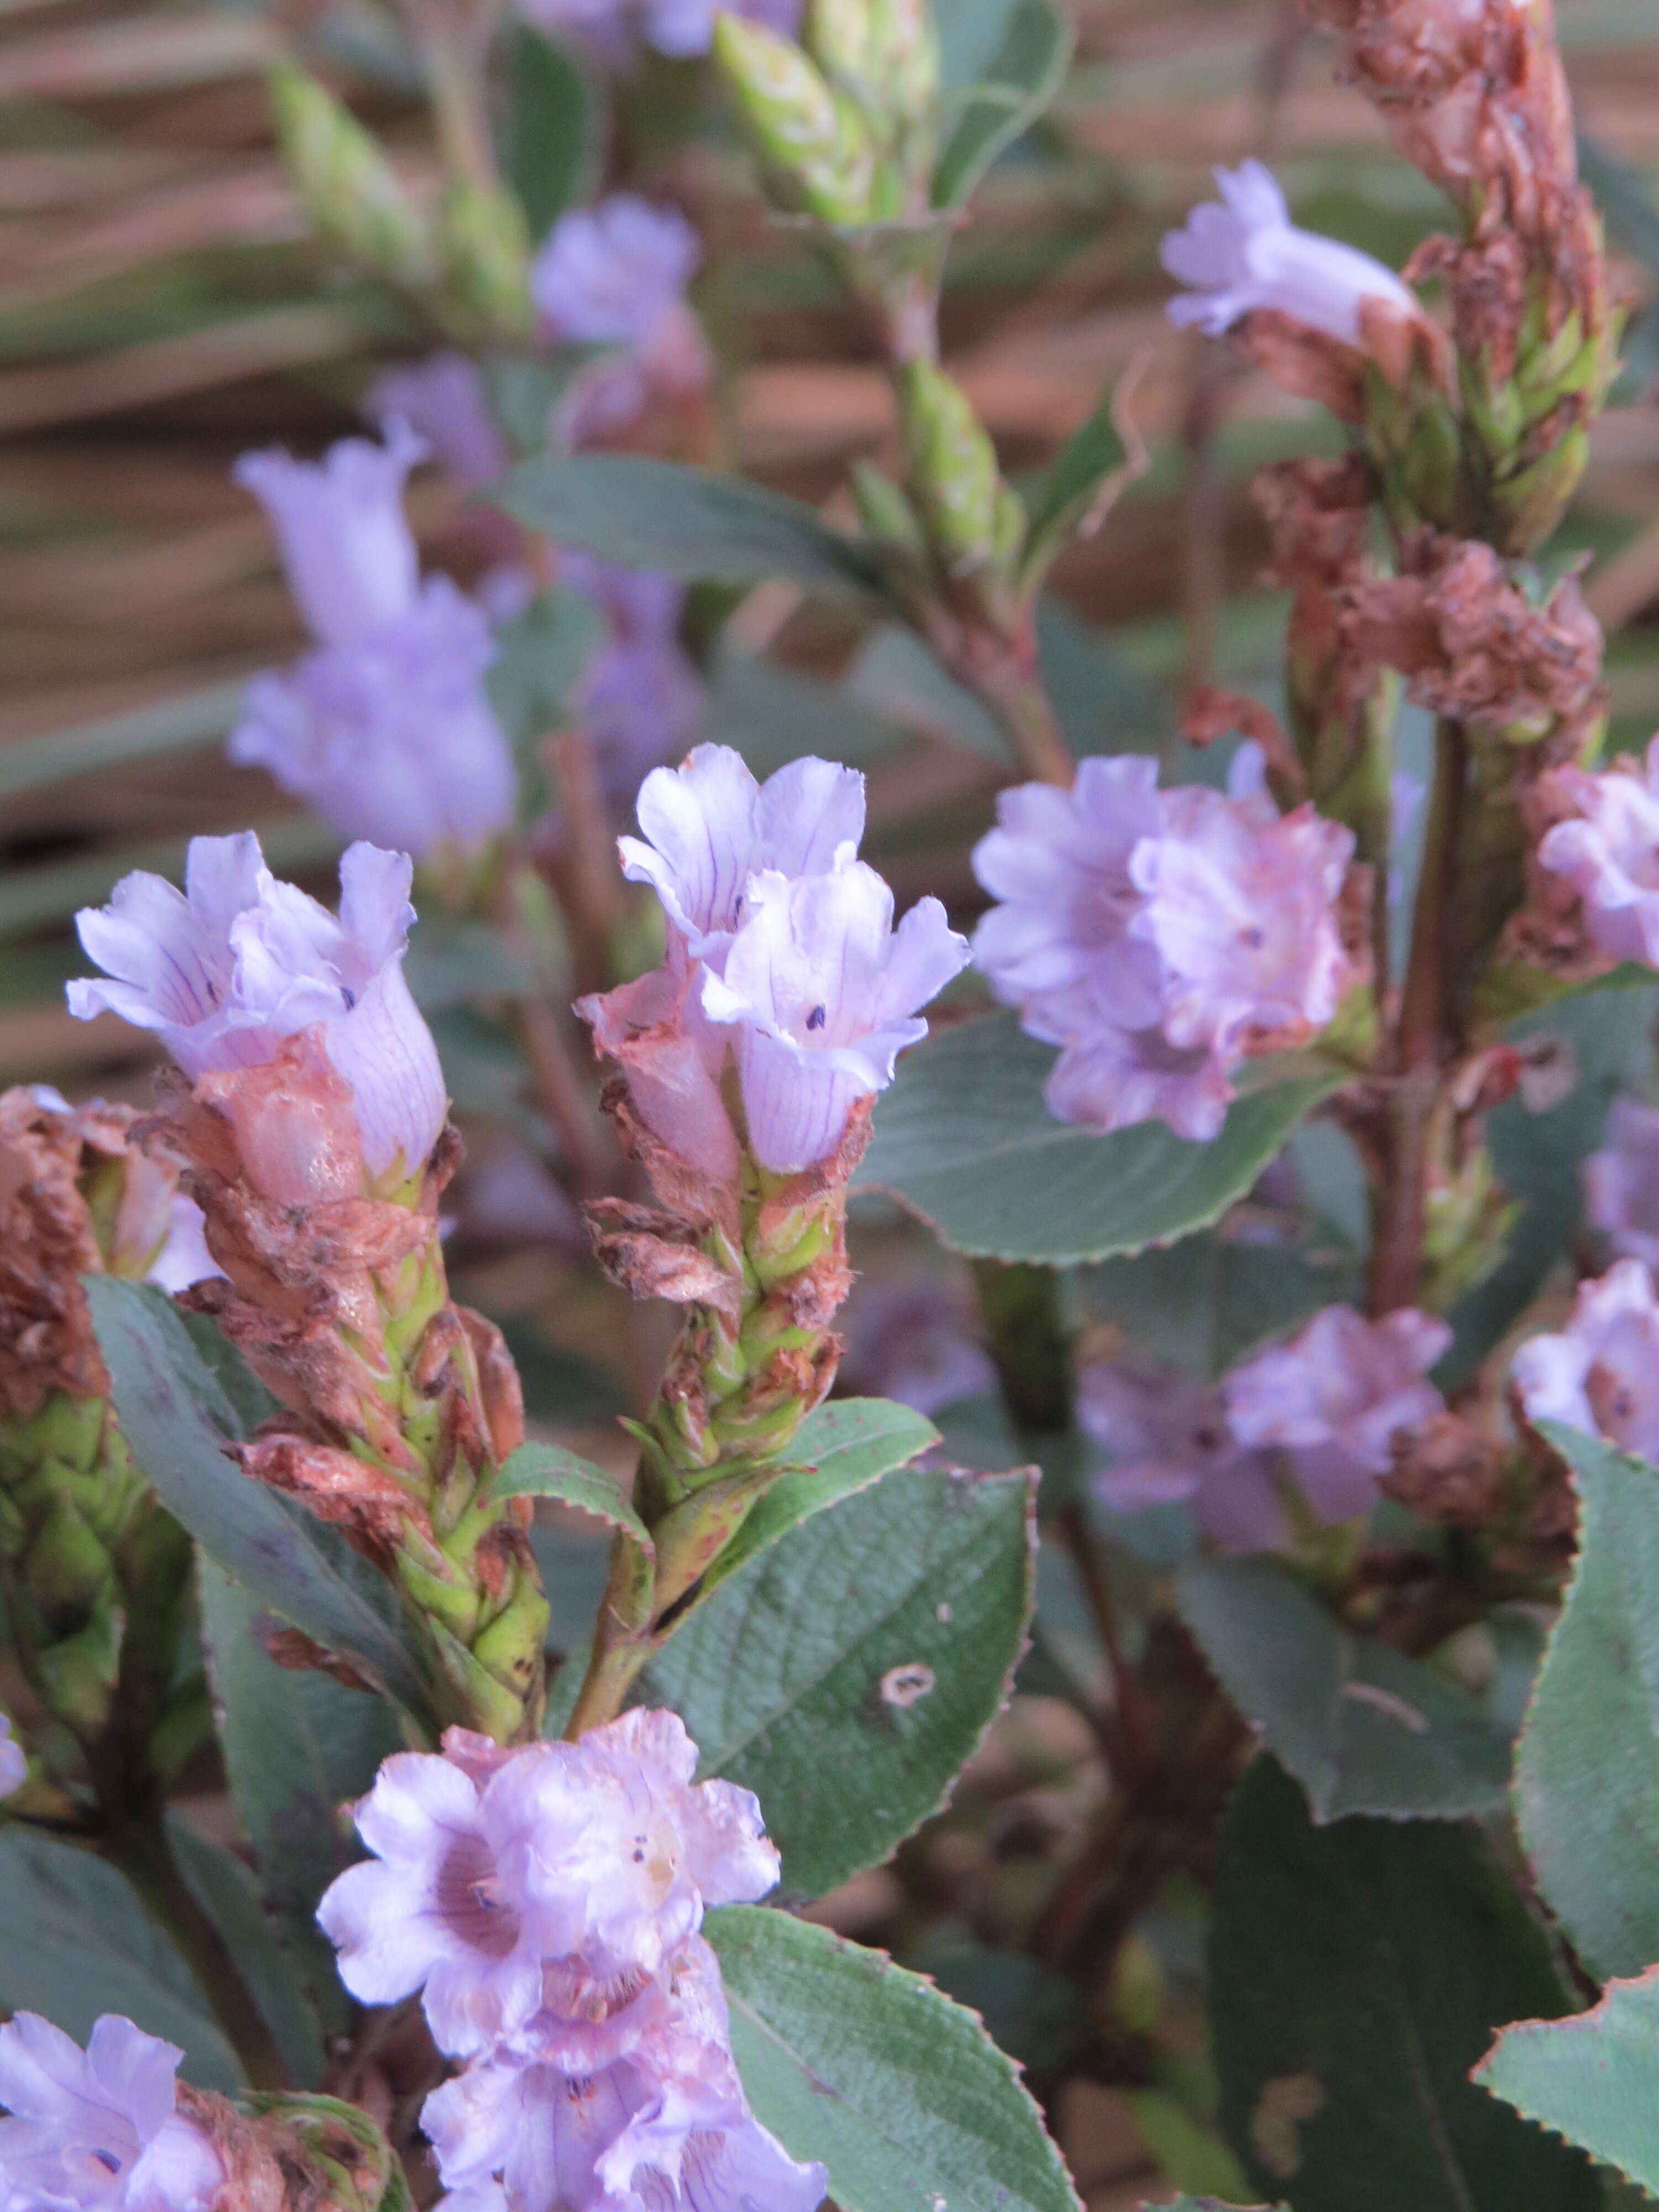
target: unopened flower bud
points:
(346, 185)
(952, 467)
(813, 142)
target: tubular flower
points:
(386, 729)
(616, 275)
(13, 1760)
(99, 2128)
(641, 699)
(1244, 253)
(1600, 1373)
(310, 1114)
(224, 973)
(1159, 938)
(1334, 1399)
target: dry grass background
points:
(161, 309)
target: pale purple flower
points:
(346, 544)
(1244, 252)
(687, 27)
(1610, 855)
(1171, 1443)
(1336, 1396)
(622, 1850)
(98, 2128)
(611, 275)
(1621, 1183)
(225, 971)
(436, 1909)
(666, 2126)
(13, 1760)
(1159, 938)
(442, 399)
(823, 994)
(708, 827)
(392, 738)
(1600, 1373)
(1241, 906)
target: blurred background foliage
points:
(162, 308)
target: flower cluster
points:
(614, 276)
(782, 951)
(225, 972)
(101, 2129)
(1322, 1411)
(546, 1903)
(1600, 1373)
(1159, 938)
(386, 728)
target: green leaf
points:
(1022, 76)
(648, 514)
(963, 1137)
(849, 2059)
(1587, 1770)
(451, 959)
(297, 1748)
(226, 1891)
(76, 1941)
(1079, 475)
(897, 674)
(1208, 1301)
(541, 655)
(178, 1416)
(1357, 1973)
(772, 715)
(1361, 1727)
(847, 1674)
(200, 718)
(1102, 700)
(1206, 2204)
(1594, 2079)
(550, 128)
(1039, 2017)
(842, 1448)
(550, 1471)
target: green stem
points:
(138, 1843)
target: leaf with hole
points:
(1357, 1972)
(848, 1673)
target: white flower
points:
(240, 961)
(823, 995)
(392, 738)
(98, 2128)
(347, 547)
(1610, 854)
(708, 827)
(1600, 1373)
(1245, 253)
(1336, 1396)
